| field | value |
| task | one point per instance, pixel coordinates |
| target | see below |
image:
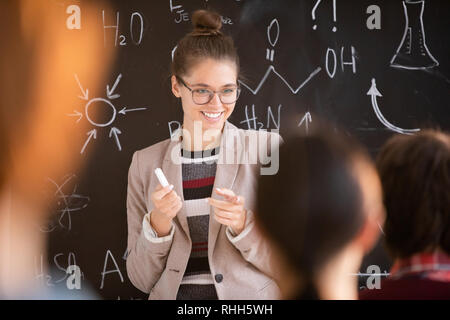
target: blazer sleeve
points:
(146, 259)
(253, 246)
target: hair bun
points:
(206, 23)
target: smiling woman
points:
(175, 250)
(208, 99)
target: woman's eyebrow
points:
(208, 86)
(200, 85)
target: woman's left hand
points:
(230, 212)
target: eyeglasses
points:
(227, 95)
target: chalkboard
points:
(373, 68)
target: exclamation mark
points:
(334, 15)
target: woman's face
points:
(212, 75)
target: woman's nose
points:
(215, 101)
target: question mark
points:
(313, 13)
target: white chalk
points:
(161, 177)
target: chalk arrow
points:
(374, 93)
(92, 133)
(76, 114)
(114, 131)
(125, 110)
(85, 95)
(109, 92)
(306, 119)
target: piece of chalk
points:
(161, 177)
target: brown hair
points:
(205, 41)
(313, 206)
(415, 174)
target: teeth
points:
(212, 115)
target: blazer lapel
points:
(225, 176)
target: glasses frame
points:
(238, 91)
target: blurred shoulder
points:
(153, 153)
(271, 136)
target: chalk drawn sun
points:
(107, 115)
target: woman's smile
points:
(212, 116)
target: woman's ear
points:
(373, 208)
(175, 87)
(370, 233)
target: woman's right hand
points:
(166, 204)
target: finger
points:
(166, 206)
(226, 214)
(179, 206)
(176, 206)
(169, 197)
(240, 200)
(228, 194)
(158, 188)
(224, 205)
(162, 192)
(223, 221)
(225, 192)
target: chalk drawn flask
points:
(413, 52)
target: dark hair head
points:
(205, 41)
(313, 207)
(415, 174)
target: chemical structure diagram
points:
(271, 69)
(412, 54)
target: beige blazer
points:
(242, 267)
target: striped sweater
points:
(199, 171)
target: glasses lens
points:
(202, 96)
(228, 96)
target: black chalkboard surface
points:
(373, 68)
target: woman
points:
(323, 218)
(177, 250)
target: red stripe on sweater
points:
(198, 183)
(199, 243)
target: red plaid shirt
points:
(433, 266)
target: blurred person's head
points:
(321, 213)
(415, 174)
(38, 59)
